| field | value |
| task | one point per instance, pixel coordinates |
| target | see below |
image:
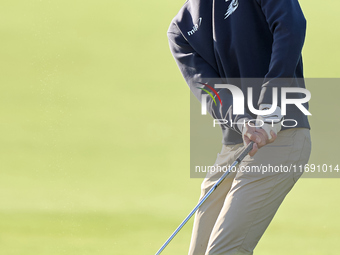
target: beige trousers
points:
(235, 216)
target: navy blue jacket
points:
(233, 40)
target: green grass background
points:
(94, 153)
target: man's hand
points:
(258, 136)
(272, 122)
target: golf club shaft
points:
(237, 161)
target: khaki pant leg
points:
(207, 214)
(254, 197)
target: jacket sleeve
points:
(196, 71)
(288, 26)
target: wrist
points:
(241, 124)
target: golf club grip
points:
(245, 152)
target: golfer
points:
(246, 43)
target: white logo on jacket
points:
(195, 27)
(232, 7)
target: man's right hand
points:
(258, 136)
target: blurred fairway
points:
(94, 154)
